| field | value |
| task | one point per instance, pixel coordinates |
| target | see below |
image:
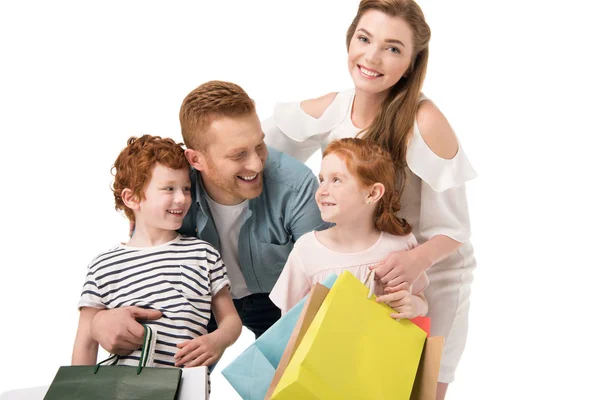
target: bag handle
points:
(370, 283)
(144, 355)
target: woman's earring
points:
(368, 201)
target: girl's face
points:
(340, 197)
(380, 52)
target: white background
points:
(517, 79)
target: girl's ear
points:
(376, 192)
(196, 159)
(130, 200)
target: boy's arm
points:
(207, 349)
(85, 349)
(228, 321)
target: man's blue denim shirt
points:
(285, 210)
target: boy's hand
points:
(204, 350)
(407, 305)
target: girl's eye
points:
(363, 39)
(169, 189)
(336, 180)
(394, 50)
(187, 189)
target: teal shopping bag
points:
(251, 372)
(116, 382)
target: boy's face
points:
(233, 162)
(167, 199)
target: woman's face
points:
(380, 52)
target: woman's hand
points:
(400, 269)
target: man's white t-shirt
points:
(228, 220)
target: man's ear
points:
(130, 200)
(376, 192)
(196, 159)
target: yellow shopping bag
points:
(353, 350)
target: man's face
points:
(232, 162)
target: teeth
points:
(175, 211)
(248, 178)
(369, 73)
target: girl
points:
(388, 48)
(357, 193)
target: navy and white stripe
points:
(177, 278)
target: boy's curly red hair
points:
(134, 165)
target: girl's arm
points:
(85, 348)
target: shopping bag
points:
(116, 382)
(313, 302)
(353, 350)
(193, 384)
(425, 387)
(251, 372)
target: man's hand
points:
(203, 350)
(118, 330)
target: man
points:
(250, 202)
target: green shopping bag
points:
(116, 382)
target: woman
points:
(387, 46)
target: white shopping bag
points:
(194, 384)
(33, 393)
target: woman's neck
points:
(349, 238)
(365, 108)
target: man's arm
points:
(118, 330)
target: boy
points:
(183, 277)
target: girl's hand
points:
(406, 305)
(400, 269)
